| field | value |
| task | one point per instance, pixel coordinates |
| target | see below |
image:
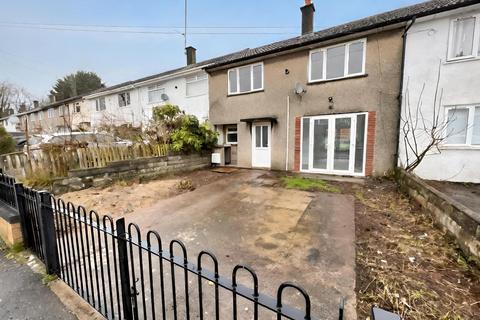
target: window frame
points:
(77, 108)
(198, 78)
(128, 101)
(156, 87)
(476, 38)
(98, 105)
(346, 61)
(470, 122)
(51, 113)
(238, 92)
(232, 132)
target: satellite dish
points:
(164, 97)
(14, 119)
(299, 89)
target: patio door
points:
(261, 145)
(334, 144)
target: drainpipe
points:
(288, 131)
(400, 96)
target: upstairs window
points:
(197, 85)
(245, 79)
(39, 117)
(463, 126)
(51, 113)
(464, 38)
(155, 93)
(124, 99)
(339, 61)
(100, 104)
(32, 117)
(77, 108)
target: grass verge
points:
(308, 184)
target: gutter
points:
(402, 79)
(134, 84)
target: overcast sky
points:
(34, 53)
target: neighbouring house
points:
(323, 102)
(9, 123)
(132, 102)
(58, 116)
(442, 55)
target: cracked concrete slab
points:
(285, 235)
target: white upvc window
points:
(231, 134)
(464, 37)
(124, 99)
(463, 126)
(100, 104)
(196, 85)
(155, 93)
(39, 117)
(77, 108)
(338, 61)
(245, 79)
(51, 113)
(32, 117)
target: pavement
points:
(285, 235)
(24, 296)
(467, 194)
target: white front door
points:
(261, 145)
(334, 144)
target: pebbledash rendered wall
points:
(376, 92)
(142, 168)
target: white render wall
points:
(139, 112)
(426, 50)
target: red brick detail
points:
(296, 161)
(372, 119)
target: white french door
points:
(334, 144)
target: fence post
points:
(20, 202)
(124, 274)
(47, 233)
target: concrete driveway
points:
(285, 235)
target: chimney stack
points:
(308, 11)
(35, 103)
(191, 55)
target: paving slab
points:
(24, 296)
(285, 235)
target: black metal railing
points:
(124, 275)
(7, 190)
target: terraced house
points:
(322, 102)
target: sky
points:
(128, 43)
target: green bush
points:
(7, 144)
(192, 136)
(184, 132)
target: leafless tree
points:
(13, 99)
(422, 134)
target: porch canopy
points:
(271, 119)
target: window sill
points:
(460, 147)
(197, 95)
(244, 93)
(338, 79)
(460, 60)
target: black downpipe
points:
(400, 99)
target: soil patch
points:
(126, 196)
(406, 264)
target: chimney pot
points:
(308, 11)
(191, 55)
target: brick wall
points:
(296, 161)
(372, 119)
